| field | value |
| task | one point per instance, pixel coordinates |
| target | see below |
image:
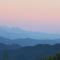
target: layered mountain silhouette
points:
(14, 33)
(27, 41)
(17, 44)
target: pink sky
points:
(32, 15)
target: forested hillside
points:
(29, 52)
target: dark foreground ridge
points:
(17, 52)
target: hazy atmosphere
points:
(29, 29)
(31, 15)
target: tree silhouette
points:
(5, 55)
(56, 57)
(50, 58)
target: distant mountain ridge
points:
(14, 33)
(7, 46)
(28, 41)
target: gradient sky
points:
(31, 15)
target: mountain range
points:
(17, 44)
(28, 41)
(14, 33)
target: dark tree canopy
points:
(5, 55)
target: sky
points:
(31, 15)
